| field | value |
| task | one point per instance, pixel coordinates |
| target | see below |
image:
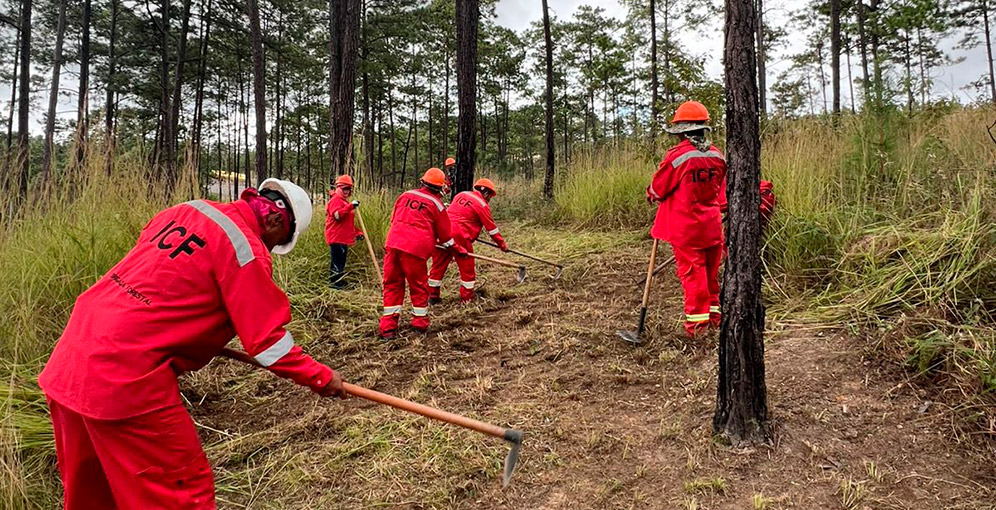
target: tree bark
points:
(259, 89)
(654, 84)
(201, 78)
(13, 97)
(83, 106)
(344, 27)
(174, 115)
(835, 54)
(741, 398)
(53, 94)
(548, 182)
(876, 61)
(467, 18)
(24, 100)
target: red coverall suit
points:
(340, 234)
(418, 220)
(691, 187)
(469, 214)
(198, 275)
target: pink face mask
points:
(264, 207)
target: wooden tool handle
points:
(519, 253)
(424, 410)
(650, 274)
(370, 248)
(495, 261)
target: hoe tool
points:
(634, 337)
(556, 276)
(520, 276)
(370, 248)
(513, 436)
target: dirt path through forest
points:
(607, 425)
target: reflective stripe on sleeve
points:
(475, 197)
(696, 317)
(468, 285)
(276, 351)
(336, 216)
(652, 192)
(391, 310)
(243, 252)
(680, 160)
(420, 312)
(493, 232)
(713, 309)
(435, 283)
(449, 243)
(439, 205)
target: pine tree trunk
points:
(654, 83)
(53, 94)
(111, 86)
(344, 27)
(24, 100)
(159, 156)
(446, 100)
(989, 50)
(174, 116)
(259, 89)
(201, 78)
(877, 85)
(762, 61)
(835, 54)
(850, 79)
(863, 48)
(83, 106)
(13, 97)
(741, 398)
(548, 182)
(467, 18)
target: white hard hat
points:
(300, 205)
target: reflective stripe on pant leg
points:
(394, 282)
(691, 265)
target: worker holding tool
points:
(690, 189)
(469, 214)
(340, 230)
(200, 274)
(419, 222)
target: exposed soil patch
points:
(607, 425)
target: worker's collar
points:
(438, 193)
(478, 193)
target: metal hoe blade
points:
(515, 437)
(629, 336)
(560, 271)
(521, 276)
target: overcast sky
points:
(518, 14)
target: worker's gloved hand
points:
(458, 250)
(334, 387)
(356, 203)
(650, 198)
(500, 241)
(359, 237)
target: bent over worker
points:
(690, 189)
(200, 274)
(469, 214)
(419, 222)
(340, 229)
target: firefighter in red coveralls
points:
(340, 229)
(690, 188)
(419, 222)
(469, 214)
(448, 168)
(200, 274)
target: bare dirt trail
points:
(607, 425)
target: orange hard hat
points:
(486, 184)
(344, 180)
(434, 177)
(691, 111)
(450, 162)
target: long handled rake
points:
(513, 436)
(560, 267)
(520, 276)
(634, 337)
(370, 248)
